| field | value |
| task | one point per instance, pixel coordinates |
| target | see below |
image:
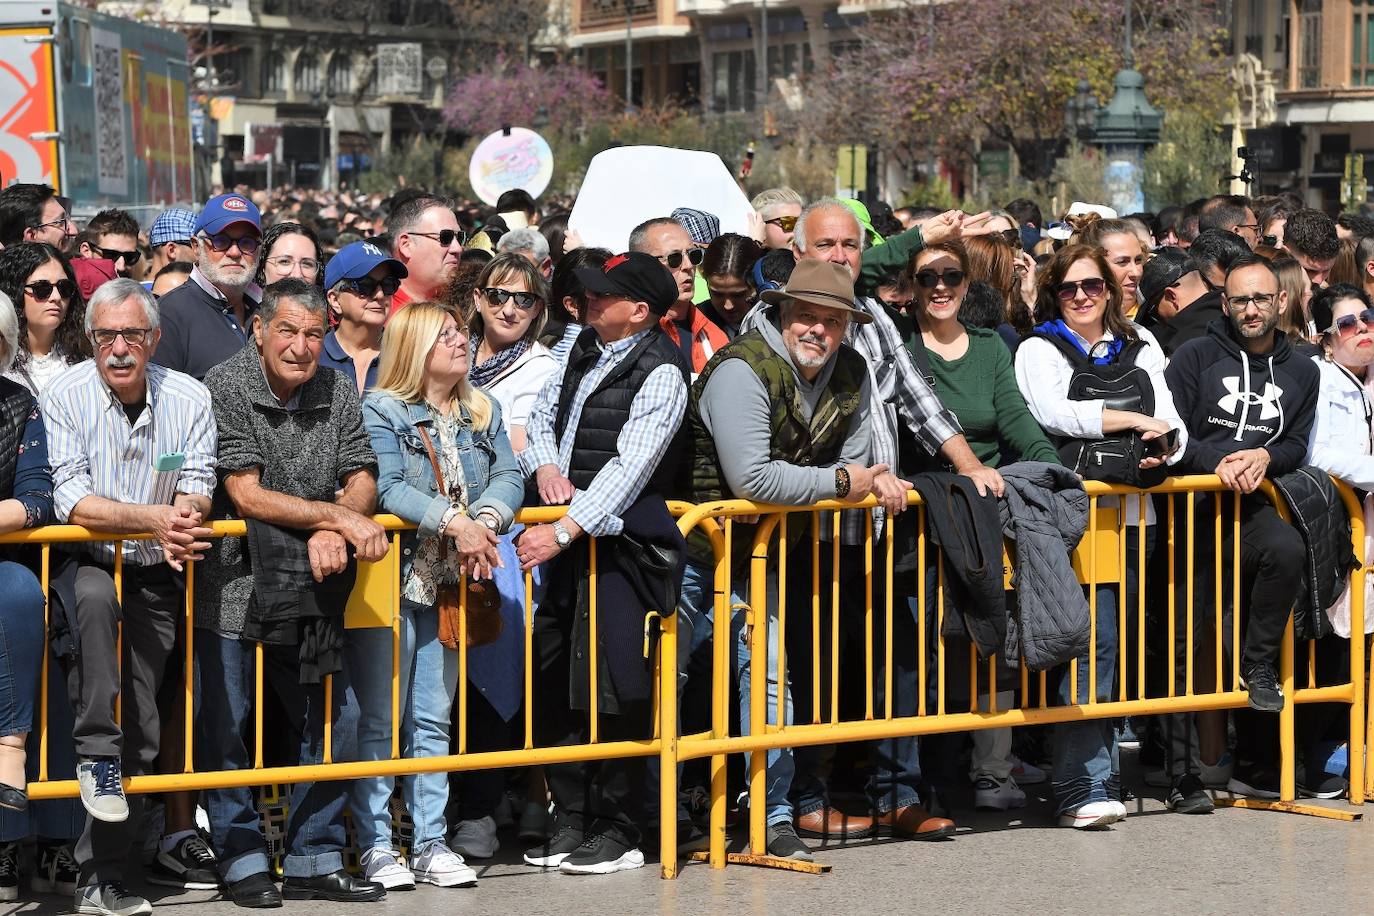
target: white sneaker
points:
(1026, 774)
(110, 899)
(442, 867)
(993, 794)
(1092, 816)
(475, 839)
(384, 866)
(1217, 775)
(1121, 810)
(102, 793)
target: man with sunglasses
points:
(686, 326)
(360, 282)
(779, 209)
(428, 243)
(34, 213)
(1171, 284)
(1230, 213)
(1212, 253)
(112, 235)
(206, 320)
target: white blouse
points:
(518, 387)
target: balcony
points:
(601, 13)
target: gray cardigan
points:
(304, 452)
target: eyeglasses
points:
(1242, 303)
(499, 297)
(286, 262)
(450, 336)
(673, 259)
(367, 286)
(1345, 325)
(64, 221)
(785, 223)
(114, 254)
(1092, 288)
(1253, 227)
(222, 241)
(134, 337)
(929, 279)
(41, 290)
(445, 237)
(1012, 237)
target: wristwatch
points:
(492, 523)
(561, 537)
(841, 483)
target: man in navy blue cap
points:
(205, 320)
(359, 282)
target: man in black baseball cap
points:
(1171, 283)
(606, 438)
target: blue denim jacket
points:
(405, 480)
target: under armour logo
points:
(1267, 401)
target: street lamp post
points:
(1126, 127)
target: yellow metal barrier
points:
(1101, 558)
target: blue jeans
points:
(428, 681)
(314, 827)
(21, 665)
(696, 620)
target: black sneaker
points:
(1187, 796)
(783, 843)
(600, 854)
(54, 870)
(1324, 786)
(1254, 781)
(552, 852)
(9, 872)
(1262, 681)
(190, 865)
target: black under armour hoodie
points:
(1232, 400)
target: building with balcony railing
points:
(1307, 91)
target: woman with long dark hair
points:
(49, 310)
(568, 299)
(289, 250)
(728, 267)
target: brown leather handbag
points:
(483, 600)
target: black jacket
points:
(1231, 400)
(1321, 518)
(1191, 323)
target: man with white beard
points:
(207, 319)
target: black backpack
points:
(1121, 385)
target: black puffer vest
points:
(16, 404)
(607, 409)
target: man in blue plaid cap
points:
(170, 238)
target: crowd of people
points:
(304, 363)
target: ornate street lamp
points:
(1126, 127)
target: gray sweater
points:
(734, 406)
(304, 452)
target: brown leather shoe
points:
(833, 824)
(915, 823)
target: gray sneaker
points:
(783, 843)
(442, 867)
(101, 790)
(110, 899)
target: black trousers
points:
(598, 797)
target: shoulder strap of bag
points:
(439, 480)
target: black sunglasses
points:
(499, 297)
(445, 237)
(673, 259)
(1346, 324)
(367, 286)
(114, 254)
(222, 241)
(41, 290)
(1092, 288)
(929, 279)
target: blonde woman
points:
(423, 400)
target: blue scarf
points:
(1057, 328)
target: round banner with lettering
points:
(506, 161)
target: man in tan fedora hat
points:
(780, 415)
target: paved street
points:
(1233, 861)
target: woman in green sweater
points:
(972, 369)
(972, 372)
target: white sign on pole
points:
(630, 184)
(399, 69)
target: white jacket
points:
(1340, 441)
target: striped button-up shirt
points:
(655, 415)
(95, 451)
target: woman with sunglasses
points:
(1079, 305)
(51, 317)
(289, 250)
(425, 405)
(359, 284)
(973, 375)
(1120, 244)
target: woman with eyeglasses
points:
(1120, 244)
(1079, 310)
(359, 283)
(972, 373)
(289, 250)
(425, 404)
(52, 315)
